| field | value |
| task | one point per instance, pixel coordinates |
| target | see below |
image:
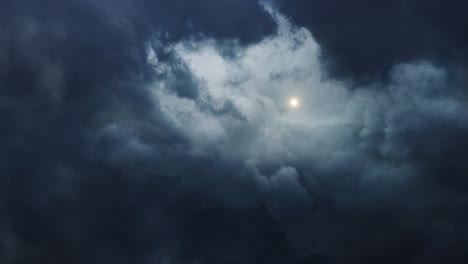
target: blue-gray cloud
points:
(157, 132)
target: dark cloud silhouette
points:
(74, 82)
(115, 149)
(362, 40)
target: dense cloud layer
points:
(159, 132)
(363, 39)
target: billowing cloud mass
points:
(161, 132)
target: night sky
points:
(233, 132)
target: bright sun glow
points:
(294, 102)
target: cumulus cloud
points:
(160, 132)
(367, 147)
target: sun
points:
(294, 102)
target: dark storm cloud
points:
(361, 40)
(84, 146)
(95, 168)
